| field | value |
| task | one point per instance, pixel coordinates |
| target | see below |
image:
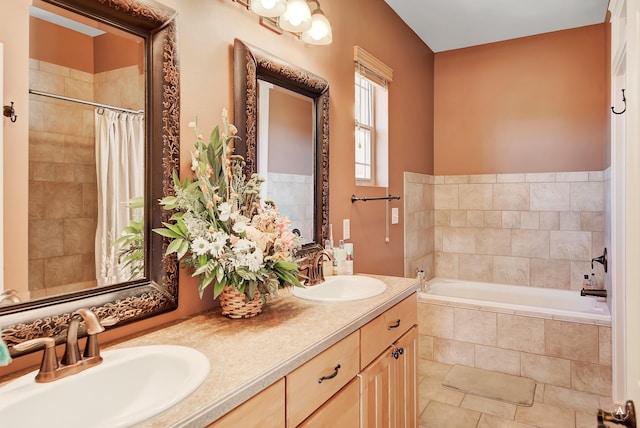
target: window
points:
(371, 119)
(365, 129)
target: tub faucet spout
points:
(594, 292)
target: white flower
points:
(200, 246)
(253, 260)
(239, 227)
(225, 211)
(243, 246)
(217, 246)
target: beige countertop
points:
(249, 355)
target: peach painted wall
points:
(206, 30)
(535, 104)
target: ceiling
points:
(452, 24)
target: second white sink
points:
(342, 288)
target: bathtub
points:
(544, 302)
(553, 336)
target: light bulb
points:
(320, 31)
(268, 4)
(268, 8)
(297, 17)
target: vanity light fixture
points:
(320, 31)
(293, 16)
(297, 17)
(268, 8)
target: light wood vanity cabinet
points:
(388, 382)
(370, 388)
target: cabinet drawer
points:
(266, 409)
(317, 380)
(382, 331)
(342, 410)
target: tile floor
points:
(553, 407)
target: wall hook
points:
(10, 112)
(624, 100)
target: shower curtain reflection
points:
(120, 174)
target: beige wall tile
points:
(584, 419)
(510, 219)
(446, 196)
(458, 240)
(475, 267)
(511, 196)
(510, 178)
(540, 177)
(556, 371)
(530, 220)
(592, 378)
(425, 347)
(592, 221)
(521, 333)
(550, 273)
(530, 243)
(572, 341)
(604, 345)
(569, 220)
(435, 320)
(456, 179)
(46, 147)
(446, 265)
(458, 218)
(587, 196)
(550, 196)
(475, 218)
(511, 270)
(482, 178)
(570, 245)
(490, 421)
(475, 326)
(572, 176)
(79, 236)
(475, 196)
(493, 241)
(492, 219)
(453, 352)
(550, 220)
(497, 359)
(442, 218)
(46, 238)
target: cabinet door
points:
(266, 409)
(404, 377)
(376, 392)
(342, 410)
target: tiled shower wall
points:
(62, 172)
(539, 229)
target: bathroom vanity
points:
(281, 367)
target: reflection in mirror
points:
(254, 68)
(285, 125)
(71, 214)
(86, 153)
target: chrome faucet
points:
(72, 362)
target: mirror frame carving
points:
(158, 292)
(251, 64)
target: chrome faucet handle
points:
(49, 363)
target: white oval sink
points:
(129, 386)
(342, 288)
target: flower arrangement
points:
(222, 229)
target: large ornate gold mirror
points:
(286, 108)
(152, 286)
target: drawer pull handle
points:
(396, 325)
(331, 376)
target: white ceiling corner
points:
(453, 24)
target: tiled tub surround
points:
(418, 224)
(538, 229)
(574, 355)
(249, 355)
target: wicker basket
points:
(234, 305)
